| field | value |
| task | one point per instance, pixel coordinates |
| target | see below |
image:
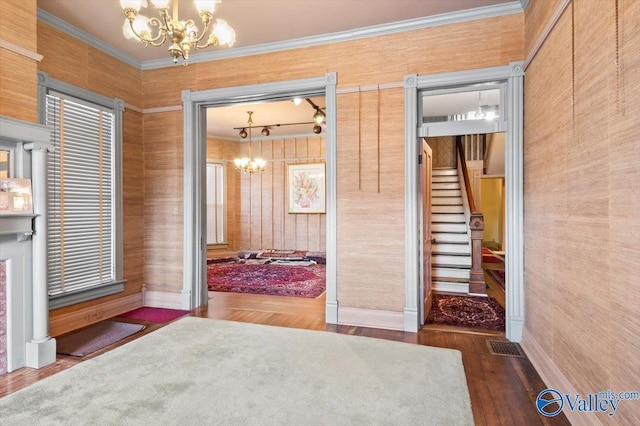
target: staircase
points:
(451, 252)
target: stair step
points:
(459, 228)
(445, 185)
(451, 273)
(446, 178)
(450, 208)
(445, 193)
(450, 287)
(446, 201)
(448, 218)
(450, 238)
(455, 249)
(450, 280)
(451, 261)
(444, 172)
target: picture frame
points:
(306, 188)
(15, 196)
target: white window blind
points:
(215, 204)
(80, 195)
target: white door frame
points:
(194, 287)
(512, 75)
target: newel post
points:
(477, 285)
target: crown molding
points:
(87, 38)
(513, 7)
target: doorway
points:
(455, 303)
(258, 240)
(194, 292)
(509, 80)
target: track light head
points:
(265, 131)
(243, 133)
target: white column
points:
(41, 350)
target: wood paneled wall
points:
(257, 215)
(18, 74)
(67, 59)
(582, 196)
(370, 142)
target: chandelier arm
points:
(204, 32)
(157, 41)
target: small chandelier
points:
(183, 35)
(249, 164)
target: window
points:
(84, 193)
(216, 204)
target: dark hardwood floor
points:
(503, 389)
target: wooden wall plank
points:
(582, 194)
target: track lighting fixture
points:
(243, 133)
(265, 131)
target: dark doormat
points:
(97, 336)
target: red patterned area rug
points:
(276, 280)
(466, 311)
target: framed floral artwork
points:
(306, 186)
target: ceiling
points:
(256, 23)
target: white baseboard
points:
(450, 287)
(331, 312)
(372, 318)
(163, 299)
(553, 378)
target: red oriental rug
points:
(147, 313)
(277, 280)
(466, 311)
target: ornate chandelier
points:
(183, 35)
(249, 164)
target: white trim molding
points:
(371, 318)
(484, 12)
(512, 75)
(162, 299)
(7, 45)
(87, 38)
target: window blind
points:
(80, 195)
(215, 204)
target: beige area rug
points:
(199, 371)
